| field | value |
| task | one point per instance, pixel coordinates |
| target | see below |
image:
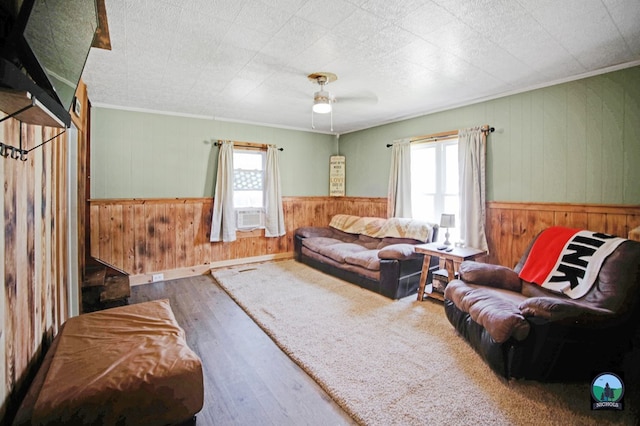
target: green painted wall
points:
(146, 155)
(576, 142)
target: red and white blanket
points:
(568, 260)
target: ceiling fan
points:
(323, 100)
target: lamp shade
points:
(321, 102)
(447, 220)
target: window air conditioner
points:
(249, 218)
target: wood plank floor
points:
(248, 379)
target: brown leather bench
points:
(127, 365)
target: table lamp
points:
(447, 221)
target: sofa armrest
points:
(490, 275)
(560, 310)
(398, 252)
(314, 231)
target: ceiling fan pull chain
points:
(312, 125)
(331, 113)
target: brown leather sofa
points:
(523, 330)
(373, 253)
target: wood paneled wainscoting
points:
(34, 247)
(147, 236)
(512, 226)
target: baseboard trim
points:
(171, 274)
(174, 274)
(255, 259)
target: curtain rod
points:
(442, 136)
(247, 144)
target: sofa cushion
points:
(367, 259)
(369, 273)
(406, 228)
(339, 251)
(494, 309)
(377, 227)
(369, 242)
(357, 225)
(486, 274)
(315, 243)
(315, 231)
(347, 223)
(344, 236)
(398, 252)
(387, 241)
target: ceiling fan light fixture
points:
(321, 102)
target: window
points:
(434, 182)
(248, 178)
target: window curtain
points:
(274, 213)
(471, 169)
(223, 226)
(399, 194)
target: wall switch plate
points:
(157, 277)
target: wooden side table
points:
(452, 260)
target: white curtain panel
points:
(399, 194)
(471, 169)
(274, 213)
(223, 226)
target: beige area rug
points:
(395, 362)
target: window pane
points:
(242, 199)
(245, 180)
(452, 205)
(434, 182)
(247, 160)
(423, 207)
(423, 181)
(451, 171)
(423, 169)
(248, 178)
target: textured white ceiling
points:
(248, 61)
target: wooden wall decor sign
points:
(336, 176)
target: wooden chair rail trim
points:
(566, 207)
(199, 200)
(125, 201)
(327, 197)
(512, 205)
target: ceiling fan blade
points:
(364, 97)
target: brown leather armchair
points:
(523, 330)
